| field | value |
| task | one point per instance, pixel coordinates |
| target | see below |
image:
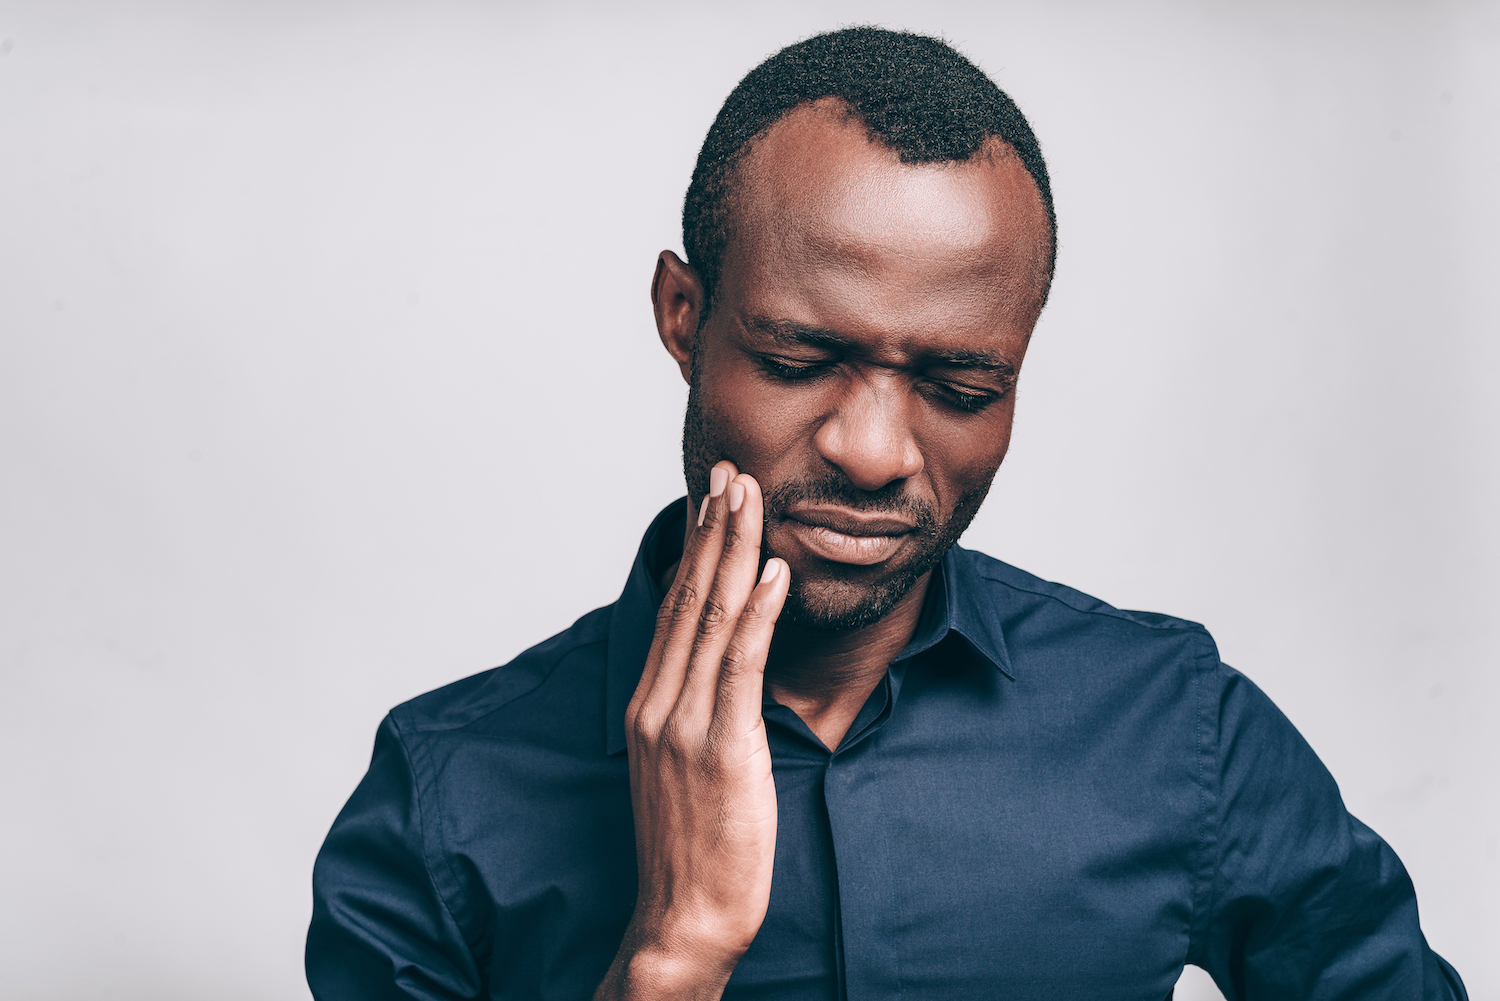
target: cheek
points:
(960, 456)
(763, 426)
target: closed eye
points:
(793, 368)
(965, 399)
(961, 398)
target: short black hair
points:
(915, 94)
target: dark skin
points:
(869, 326)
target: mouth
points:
(843, 536)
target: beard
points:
(845, 597)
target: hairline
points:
(733, 184)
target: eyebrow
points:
(793, 333)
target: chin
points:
(826, 603)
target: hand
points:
(700, 768)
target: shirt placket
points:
(867, 908)
(862, 860)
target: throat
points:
(827, 715)
(826, 677)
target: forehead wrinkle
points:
(778, 238)
(955, 291)
(1005, 277)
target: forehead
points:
(826, 221)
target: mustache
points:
(891, 499)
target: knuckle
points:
(684, 604)
(733, 663)
(714, 616)
(670, 743)
(744, 534)
(644, 727)
(758, 615)
(755, 607)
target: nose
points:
(868, 434)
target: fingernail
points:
(702, 511)
(773, 567)
(736, 496)
(716, 481)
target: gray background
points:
(327, 376)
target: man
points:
(816, 750)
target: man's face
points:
(861, 357)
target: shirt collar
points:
(955, 603)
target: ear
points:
(677, 301)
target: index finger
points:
(677, 618)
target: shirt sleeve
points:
(1305, 901)
(381, 930)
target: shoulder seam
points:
(1209, 745)
(1107, 610)
(428, 845)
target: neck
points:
(825, 677)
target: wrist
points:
(658, 971)
(659, 968)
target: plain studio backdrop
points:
(328, 376)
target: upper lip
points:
(851, 522)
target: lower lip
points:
(862, 550)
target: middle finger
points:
(738, 568)
(683, 606)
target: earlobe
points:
(676, 299)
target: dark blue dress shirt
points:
(1046, 798)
